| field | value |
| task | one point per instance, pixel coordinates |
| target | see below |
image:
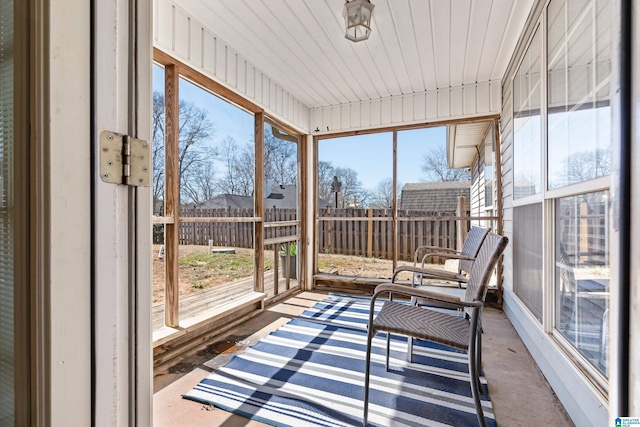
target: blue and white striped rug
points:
(310, 372)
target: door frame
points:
(121, 218)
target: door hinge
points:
(124, 159)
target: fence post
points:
(584, 232)
(329, 248)
(370, 234)
(229, 229)
(193, 228)
(462, 224)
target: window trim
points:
(547, 198)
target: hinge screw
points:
(110, 163)
(105, 149)
(110, 137)
(140, 157)
(140, 180)
(144, 169)
(144, 146)
(106, 175)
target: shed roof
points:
(434, 196)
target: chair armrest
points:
(436, 248)
(447, 255)
(423, 293)
(431, 273)
(428, 249)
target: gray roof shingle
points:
(434, 196)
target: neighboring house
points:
(434, 196)
(225, 201)
(279, 196)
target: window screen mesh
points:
(7, 386)
(527, 256)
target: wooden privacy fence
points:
(235, 233)
(370, 232)
(583, 232)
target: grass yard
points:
(198, 269)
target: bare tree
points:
(280, 164)
(194, 131)
(351, 191)
(382, 197)
(201, 185)
(436, 168)
(325, 176)
(587, 165)
(239, 168)
(280, 160)
(157, 134)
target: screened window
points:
(7, 285)
(527, 256)
(382, 195)
(355, 182)
(527, 123)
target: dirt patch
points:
(197, 269)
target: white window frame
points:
(547, 198)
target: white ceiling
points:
(415, 45)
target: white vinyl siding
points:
(454, 103)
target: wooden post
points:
(370, 234)
(499, 201)
(394, 206)
(287, 265)
(584, 232)
(192, 229)
(461, 211)
(276, 266)
(230, 227)
(328, 228)
(172, 197)
(258, 204)
(302, 214)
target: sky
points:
(369, 155)
(372, 155)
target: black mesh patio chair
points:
(466, 257)
(433, 325)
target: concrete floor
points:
(520, 394)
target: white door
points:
(121, 72)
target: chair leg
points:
(414, 301)
(473, 371)
(478, 359)
(475, 390)
(388, 348)
(367, 373)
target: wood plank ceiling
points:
(415, 45)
